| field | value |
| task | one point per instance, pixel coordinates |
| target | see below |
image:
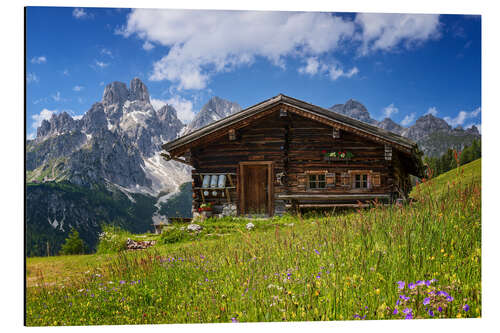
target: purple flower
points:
(420, 283)
(404, 298)
(357, 316)
(407, 311)
(440, 309)
(442, 293)
(234, 320)
(317, 252)
(401, 284)
(431, 313)
(395, 312)
(122, 282)
(466, 307)
(427, 283)
(427, 300)
(409, 316)
(411, 285)
(449, 299)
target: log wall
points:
(297, 146)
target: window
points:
(361, 181)
(317, 181)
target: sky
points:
(398, 65)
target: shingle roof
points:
(319, 111)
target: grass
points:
(339, 267)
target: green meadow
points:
(412, 261)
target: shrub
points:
(112, 239)
(74, 244)
(174, 235)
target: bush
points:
(74, 244)
(174, 235)
(112, 239)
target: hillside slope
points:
(367, 264)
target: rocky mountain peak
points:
(58, 124)
(389, 125)
(138, 91)
(354, 109)
(115, 93)
(216, 108)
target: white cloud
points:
(56, 97)
(101, 83)
(477, 125)
(148, 46)
(462, 116)
(32, 78)
(78, 88)
(203, 43)
(39, 60)
(157, 103)
(100, 64)
(387, 31)
(107, 52)
(314, 66)
(31, 136)
(65, 72)
(45, 114)
(408, 119)
(432, 110)
(183, 107)
(390, 110)
(80, 13)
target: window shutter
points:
(302, 181)
(330, 180)
(345, 179)
(376, 179)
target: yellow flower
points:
(442, 250)
(377, 291)
(459, 315)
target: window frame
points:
(317, 181)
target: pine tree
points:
(74, 244)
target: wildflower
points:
(404, 298)
(317, 252)
(411, 285)
(420, 283)
(407, 311)
(234, 320)
(431, 313)
(466, 307)
(401, 284)
(449, 299)
(427, 301)
(395, 312)
(409, 316)
(440, 309)
(122, 282)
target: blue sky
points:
(401, 65)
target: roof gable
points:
(247, 116)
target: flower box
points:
(337, 156)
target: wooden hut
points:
(285, 153)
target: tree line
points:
(452, 159)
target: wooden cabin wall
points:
(296, 145)
(263, 141)
(308, 142)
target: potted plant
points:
(205, 210)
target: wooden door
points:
(256, 188)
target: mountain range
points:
(105, 167)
